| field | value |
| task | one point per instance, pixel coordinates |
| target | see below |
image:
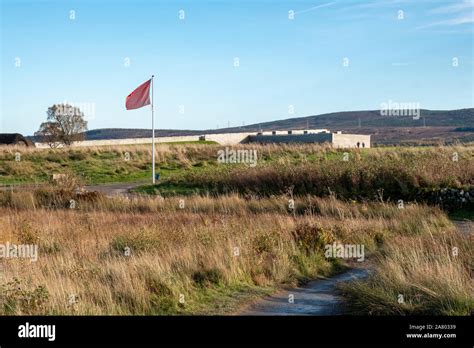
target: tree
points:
(65, 125)
(49, 133)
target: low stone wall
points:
(291, 138)
(338, 140)
(449, 198)
(223, 139)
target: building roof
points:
(13, 139)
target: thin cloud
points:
(461, 6)
(469, 18)
(315, 7)
(463, 9)
(379, 4)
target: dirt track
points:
(318, 297)
(117, 189)
(464, 226)
(112, 189)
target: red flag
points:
(139, 97)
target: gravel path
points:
(318, 297)
(116, 189)
(464, 226)
(112, 189)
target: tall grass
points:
(310, 168)
(426, 275)
(209, 253)
(402, 174)
(155, 256)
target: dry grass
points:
(400, 174)
(422, 275)
(188, 252)
(310, 168)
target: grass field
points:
(175, 252)
(314, 169)
(409, 174)
(95, 165)
(215, 253)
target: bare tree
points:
(65, 125)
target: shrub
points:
(311, 238)
(207, 277)
(16, 299)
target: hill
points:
(433, 126)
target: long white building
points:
(338, 139)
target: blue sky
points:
(51, 55)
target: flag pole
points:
(153, 132)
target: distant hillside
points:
(432, 126)
(350, 119)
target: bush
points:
(77, 156)
(207, 277)
(53, 198)
(16, 299)
(311, 238)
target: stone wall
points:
(291, 138)
(449, 198)
(223, 139)
(339, 140)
